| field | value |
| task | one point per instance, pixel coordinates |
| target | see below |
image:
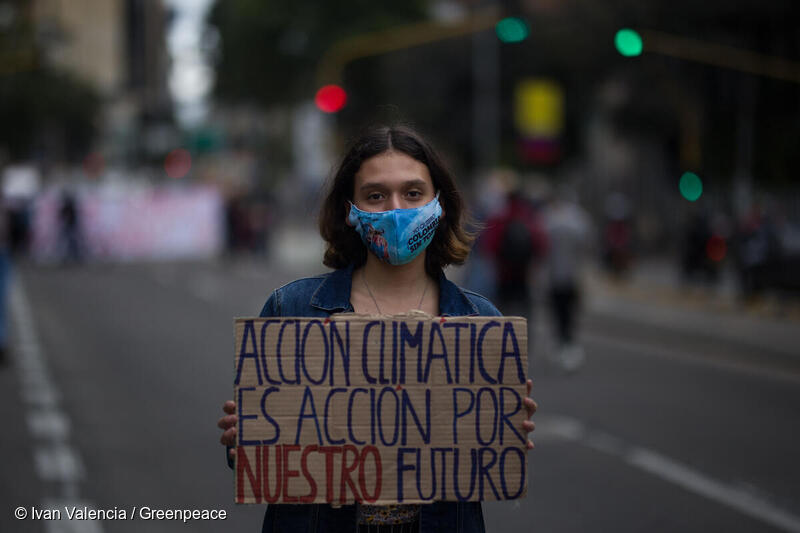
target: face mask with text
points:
(399, 235)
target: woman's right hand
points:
(228, 426)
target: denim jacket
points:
(322, 296)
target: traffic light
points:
(512, 30)
(330, 98)
(628, 42)
(691, 186)
(178, 163)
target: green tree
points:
(269, 49)
(42, 110)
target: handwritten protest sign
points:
(394, 409)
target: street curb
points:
(695, 298)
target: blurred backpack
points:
(516, 245)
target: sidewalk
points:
(653, 294)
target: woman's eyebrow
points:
(372, 185)
(413, 182)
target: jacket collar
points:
(452, 300)
(333, 295)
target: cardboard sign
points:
(407, 409)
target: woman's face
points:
(392, 180)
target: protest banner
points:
(408, 408)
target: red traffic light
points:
(330, 98)
(178, 163)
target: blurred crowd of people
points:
(533, 244)
(762, 246)
(249, 222)
(537, 241)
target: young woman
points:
(392, 220)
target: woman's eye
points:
(374, 196)
(414, 194)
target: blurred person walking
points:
(69, 216)
(617, 235)
(569, 231)
(392, 184)
(516, 240)
(705, 243)
(488, 199)
(758, 252)
(695, 263)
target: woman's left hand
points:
(531, 407)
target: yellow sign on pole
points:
(539, 108)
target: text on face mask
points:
(423, 233)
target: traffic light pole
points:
(485, 68)
(688, 49)
(485, 100)
(728, 57)
(336, 58)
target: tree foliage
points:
(42, 110)
(269, 50)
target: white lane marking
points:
(565, 428)
(70, 526)
(650, 350)
(603, 442)
(58, 462)
(556, 427)
(41, 397)
(694, 481)
(55, 460)
(49, 424)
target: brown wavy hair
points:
(451, 242)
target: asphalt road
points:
(677, 422)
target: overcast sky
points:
(191, 77)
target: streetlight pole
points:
(727, 57)
(485, 100)
(662, 43)
(336, 58)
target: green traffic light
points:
(628, 42)
(691, 186)
(512, 30)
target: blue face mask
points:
(399, 235)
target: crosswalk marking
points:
(55, 459)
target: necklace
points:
(364, 278)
